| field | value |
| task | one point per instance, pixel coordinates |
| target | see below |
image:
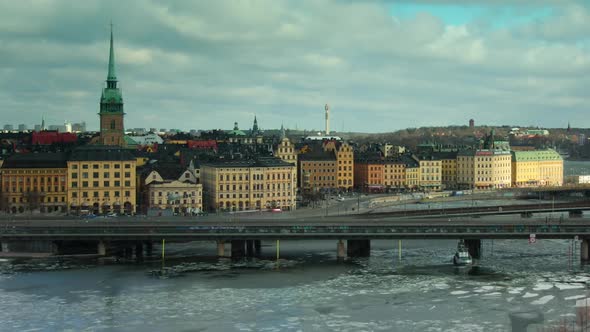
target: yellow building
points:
(101, 180)
(34, 182)
(345, 161)
(286, 151)
(484, 169)
(249, 185)
(430, 174)
(537, 168)
(412, 181)
(394, 173)
(448, 162)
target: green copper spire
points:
(112, 76)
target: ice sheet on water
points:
(528, 295)
(459, 292)
(575, 297)
(542, 286)
(543, 300)
(561, 286)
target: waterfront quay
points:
(133, 237)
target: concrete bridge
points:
(124, 237)
(575, 209)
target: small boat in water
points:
(462, 256)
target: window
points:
(85, 166)
(118, 174)
(74, 184)
(117, 166)
(74, 195)
(106, 183)
(127, 183)
(106, 166)
(105, 175)
(117, 183)
(85, 184)
(106, 194)
(95, 194)
(74, 175)
(127, 174)
(95, 183)
(127, 193)
(117, 193)
(95, 175)
(95, 166)
(113, 124)
(74, 166)
(84, 175)
(127, 165)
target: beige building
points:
(394, 174)
(537, 168)
(174, 189)
(484, 169)
(430, 174)
(101, 180)
(448, 161)
(249, 185)
(34, 182)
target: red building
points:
(53, 137)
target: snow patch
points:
(543, 300)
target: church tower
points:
(111, 112)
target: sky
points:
(380, 65)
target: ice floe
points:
(527, 295)
(543, 300)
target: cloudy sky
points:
(381, 65)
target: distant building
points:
(22, 127)
(471, 123)
(79, 127)
(8, 127)
(249, 184)
(34, 181)
(537, 168)
(101, 179)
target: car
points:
(113, 214)
(276, 210)
(340, 199)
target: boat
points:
(462, 256)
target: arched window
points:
(113, 124)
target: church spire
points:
(112, 75)
(255, 126)
(283, 133)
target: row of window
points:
(105, 175)
(104, 166)
(95, 194)
(259, 195)
(255, 177)
(105, 184)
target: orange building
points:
(368, 175)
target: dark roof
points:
(259, 162)
(101, 153)
(445, 155)
(37, 160)
(317, 155)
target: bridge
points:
(574, 208)
(102, 236)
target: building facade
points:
(484, 169)
(430, 178)
(249, 185)
(101, 180)
(179, 193)
(34, 182)
(537, 168)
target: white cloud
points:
(208, 64)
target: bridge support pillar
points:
(238, 248)
(257, 247)
(341, 250)
(5, 247)
(359, 248)
(249, 248)
(149, 248)
(474, 247)
(128, 252)
(220, 248)
(575, 213)
(584, 253)
(139, 251)
(101, 248)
